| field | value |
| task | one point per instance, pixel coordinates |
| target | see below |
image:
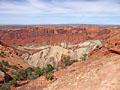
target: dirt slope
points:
(102, 74)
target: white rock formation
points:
(52, 55)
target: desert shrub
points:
(13, 82)
(68, 62)
(5, 86)
(10, 52)
(84, 57)
(29, 70)
(39, 71)
(5, 63)
(49, 76)
(15, 67)
(21, 75)
(97, 46)
(13, 73)
(32, 76)
(20, 66)
(73, 61)
(4, 69)
(25, 74)
(2, 54)
(67, 58)
(49, 68)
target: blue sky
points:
(59, 12)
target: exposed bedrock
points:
(52, 54)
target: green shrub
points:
(49, 76)
(29, 70)
(5, 87)
(13, 82)
(24, 74)
(13, 73)
(15, 67)
(68, 62)
(10, 52)
(5, 63)
(21, 75)
(39, 71)
(97, 46)
(67, 58)
(2, 54)
(49, 68)
(84, 57)
(32, 76)
(73, 61)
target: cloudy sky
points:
(59, 11)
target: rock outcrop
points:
(50, 35)
(100, 71)
(42, 45)
(9, 54)
(52, 55)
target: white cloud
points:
(57, 7)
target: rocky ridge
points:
(100, 71)
(53, 54)
(39, 46)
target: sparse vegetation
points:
(5, 63)
(39, 71)
(97, 46)
(67, 61)
(5, 86)
(15, 67)
(84, 57)
(2, 54)
(49, 76)
(49, 68)
(25, 74)
(10, 52)
(13, 82)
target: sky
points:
(60, 12)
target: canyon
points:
(96, 49)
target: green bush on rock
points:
(67, 61)
(49, 76)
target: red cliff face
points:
(55, 34)
(101, 70)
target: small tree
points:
(39, 71)
(15, 67)
(2, 54)
(49, 76)
(13, 82)
(49, 68)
